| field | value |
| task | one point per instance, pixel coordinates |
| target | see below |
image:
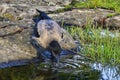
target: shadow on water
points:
(74, 68)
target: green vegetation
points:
(8, 16)
(93, 4)
(98, 44)
(107, 4)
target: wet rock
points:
(15, 43)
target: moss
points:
(8, 16)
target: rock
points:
(38, 2)
(15, 43)
(56, 2)
(67, 41)
(23, 11)
(113, 22)
(82, 17)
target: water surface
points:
(75, 68)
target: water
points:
(75, 68)
(107, 72)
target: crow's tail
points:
(42, 16)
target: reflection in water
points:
(107, 72)
(68, 69)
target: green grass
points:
(105, 4)
(96, 45)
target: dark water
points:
(76, 68)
